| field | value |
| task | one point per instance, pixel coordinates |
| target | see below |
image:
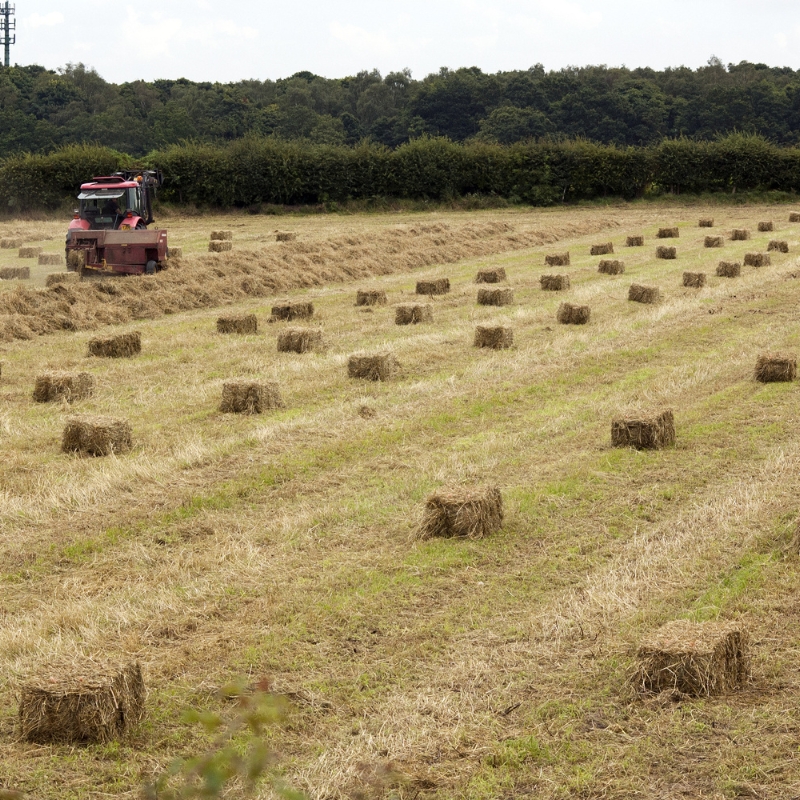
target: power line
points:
(7, 25)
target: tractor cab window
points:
(103, 208)
(134, 203)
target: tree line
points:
(42, 110)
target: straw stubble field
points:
(283, 545)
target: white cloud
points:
(362, 39)
(44, 20)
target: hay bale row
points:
(634, 241)
(291, 311)
(299, 340)
(10, 243)
(611, 267)
(496, 275)
(436, 286)
(602, 249)
(221, 236)
(57, 278)
(668, 233)
(413, 313)
(765, 227)
(706, 223)
(714, 241)
(570, 314)
(557, 260)
(495, 297)
(216, 246)
(15, 273)
(69, 386)
(471, 513)
(554, 283)
(285, 236)
(237, 323)
(694, 280)
(775, 368)
(644, 294)
(757, 260)
(667, 253)
(122, 345)
(250, 397)
(370, 297)
(495, 337)
(740, 235)
(648, 432)
(96, 436)
(29, 252)
(372, 367)
(50, 259)
(778, 246)
(729, 269)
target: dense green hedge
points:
(267, 170)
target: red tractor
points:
(108, 233)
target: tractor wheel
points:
(150, 268)
(140, 226)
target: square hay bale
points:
(602, 249)
(174, 252)
(237, 323)
(10, 243)
(611, 267)
(437, 286)
(495, 275)
(299, 340)
(554, 283)
(96, 436)
(648, 432)
(794, 216)
(370, 297)
(778, 246)
(290, 311)
(757, 260)
(285, 236)
(495, 337)
(765, 227)
(729, 269)
(557, 260)
(51, 259)
(69, 386)
(81, 702)
(15, 273)
(217, 246)
(713, 241)
(29, 252)
(471, 513)
(495, 297)
(57, 278)
(644, 294)
(372, 367)
(570, 314)
(775, 368)
(698, 659)
(667, 253)
(124, 345)
(706, 223)
(634, 241)
(242, 396)
(76, 260)
(740, 235)
(413, 313)
(668, 233)
(221, 236)
(694, 280)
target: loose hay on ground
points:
(413, 313)
(495, 337)
(714, 241)
(495, 275)
(557, 260)
(570, 314)
(437, 286)
(668, 233)
(644, 294)
(667, 253)
(96, 436)
(238, 323)
(373, 367)
(124, 345)
(694, 280)
(15, 273)
(242, 396)
(740, 235)
(370, 297)
(299, 340)
(729, 269)
(495, 297)
(471, 513)
(778, 246)
(69, 386)
(554, 283)
(57, 278)
(775, 368)
(634, 241)
(757, 260)
(602, 249)
(290, 311)
(29, 252)
(611, 267)
(647, 432)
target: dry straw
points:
(569, 314)
(729, 269)
(15, 273)
(765, 227)
(436, 286)
(238, 323)
(57, 278)
(775, 368)
(646, 432)
(778, 246)
(29, 252)
(611, 267)
(495, 275)
(706, 223)
(10, 243)
(174, 252)
(668, 233)
(413, 313)
(634, 241)
(602, 249)
(285, 236)
(471, 513)
(221, 236)
(714, 241)
(299, 340)
(80, 702)
(495, 337)
(740, 235)
(370, 297)
(495, 297)
(557, 260)
(667, 253)
(96, 436)
(51, 259)
(375, 367)
(554, 283)
(756, 260)
(216, 246)
(76, 260)
(694, 280)
(250, 397)
(693, 658)
(644, 294)
(69, 386)
(124, 345)
(290, 311)
(794, 216)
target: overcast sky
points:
(239, 39)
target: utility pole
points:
(7, 25)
